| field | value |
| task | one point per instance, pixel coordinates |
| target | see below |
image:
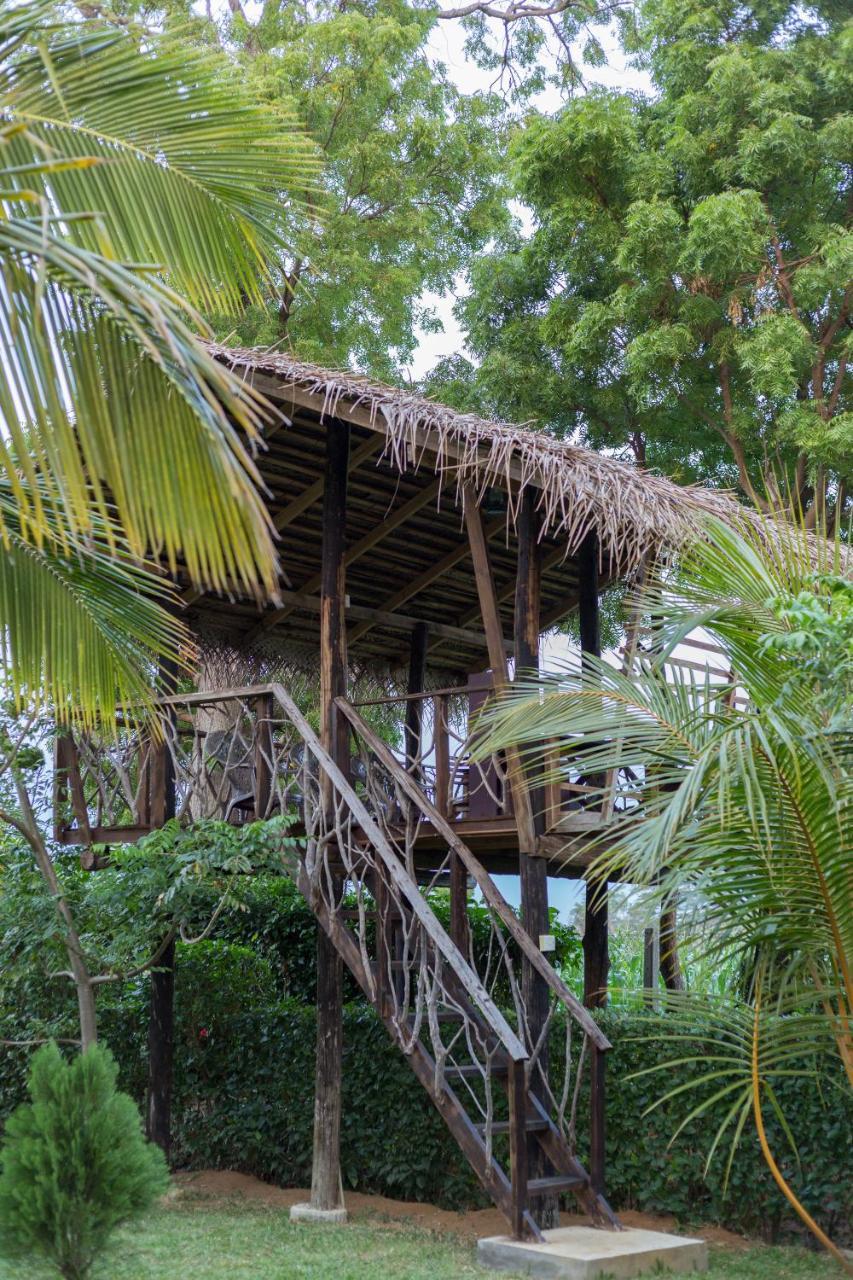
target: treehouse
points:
(426, 552)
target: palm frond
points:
(83, 626)
(157, 144)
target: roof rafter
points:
(355, 552)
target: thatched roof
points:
(633, 511)
(407, 550)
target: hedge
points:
(244, 1100)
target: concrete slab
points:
(327, 1217)
(587, 1253)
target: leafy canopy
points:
(412, 184)
(685, 294)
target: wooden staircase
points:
(480, 1071)
(451, 998)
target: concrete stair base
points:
(587, 1253)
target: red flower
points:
(203, 1033)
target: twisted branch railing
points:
(453, 1001)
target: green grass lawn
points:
(197, 1239)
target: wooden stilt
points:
(595, 941)
(326, 1170)
(414, 707)
(533, 871)
(497, 661)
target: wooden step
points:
(557, 1182)
(473, 1070)
(531, 1125)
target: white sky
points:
(447, 45)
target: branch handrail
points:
(475, 868)
(415, 901)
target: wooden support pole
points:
(497, 660)
(533, 871)
(414, 707)
(263, 755)
(595, 940)
(326, 1186)
(670, 964)
(161, 1014)
(597, 1114)
(651, 963)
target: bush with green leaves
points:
(74, 1163)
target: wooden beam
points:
(497, 661)
(426, 579)
(293, 510)
(356, 551)
(297, 600)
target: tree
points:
(684, 296)
(74, 1163)
(138, 180)
(412, 182)
(742, 809)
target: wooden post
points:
(651, 963)
(441, 712)
(414, 707)
(597, 1113)
(595, 939)
(263, 754)
(326, 1188)
(517, 1089)
(459, 927)
(497, 660)
(670, 964)
(533, 871)
(161, 1016)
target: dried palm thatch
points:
(633, 512)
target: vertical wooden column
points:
(263, 755)
(533, 871)
(161, 1013)
(497, 659)
(414, 707)
(595, 940)
(326, 1170)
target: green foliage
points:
(140, 183)
(684, 295)
(742, 810)
(74, 1162)
(412, 184)
(244, 1100)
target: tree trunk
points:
(31, 832)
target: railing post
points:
(517, 1089)
(441, 711)
(597, 1104)
(263, 755)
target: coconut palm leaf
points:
(81, 625)
(119, 148)
(158, 142)
(741, 812)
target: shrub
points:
(74, 1162)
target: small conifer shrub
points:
(74, 1163)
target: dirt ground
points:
(468, 1226)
